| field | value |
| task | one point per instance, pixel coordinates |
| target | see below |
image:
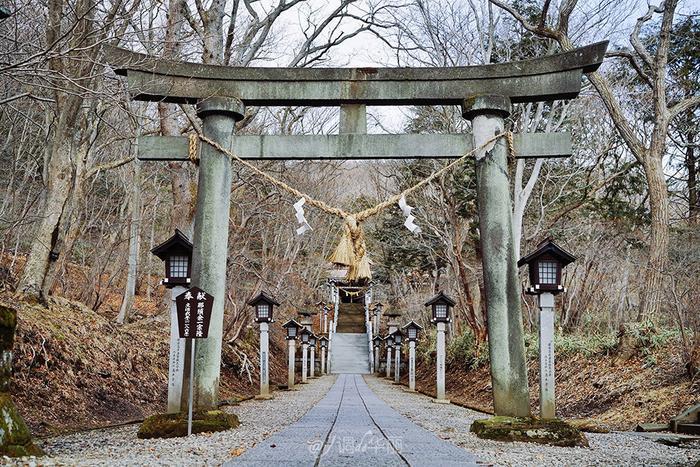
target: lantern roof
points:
(378, 338)
(414, 325)
(398, 332)
(379, 304)
(291, 324)
(548, 247)
(262, 297)
(305, 331)
(177, 243)
(323, 339)
(441, 297)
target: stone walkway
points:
(352, 426)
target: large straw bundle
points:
(352, 252)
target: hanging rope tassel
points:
(352, 251)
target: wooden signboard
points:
(194, 313)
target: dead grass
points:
(615, 393)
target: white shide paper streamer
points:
(304, 227)
(406, 209)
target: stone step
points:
(350, 353)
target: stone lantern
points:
(377, 344)
(312, 358)
(389, 344)
(292, 328)
(412, 329)
(323, 344)
(441, 305)
(305, 336)
(545, 265)
(398, 341)
(176, 253)
(264, 305)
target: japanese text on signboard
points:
(194, 313)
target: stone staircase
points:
(351, 318)
(350, 353)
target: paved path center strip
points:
(352, 426)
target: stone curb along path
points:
(352, 426)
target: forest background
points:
(79, 215)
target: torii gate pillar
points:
(210, 244)
(505, 326)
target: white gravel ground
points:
(120, 446)
(452, 423)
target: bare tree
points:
(651, 67)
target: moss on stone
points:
(15, 439)
(175, 425)
(8, 323)
(532, 430)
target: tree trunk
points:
(650, 299)
(59, 180)
(134, 240)
(691, 165)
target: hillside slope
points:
(76, 369)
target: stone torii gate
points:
(485, 94)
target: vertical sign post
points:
(264, 367)
(292, 346)
(194, 308)
(547, 405)
(389, 345)
(176, 364)
(397, 364)
(440, 347)
(412, 365)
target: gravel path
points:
(452, 423)
(120, 446)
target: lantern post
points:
(377, 315)
(389, 344)
(323, 343)
(377, 341)
(312, 363)
(305, 334)
(392, 322)
(176, 253)
(264, 305)
(412, 329)
(292, 328)
(441, 305)
(398, 341)
(545, 265)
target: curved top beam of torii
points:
(538, 79)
